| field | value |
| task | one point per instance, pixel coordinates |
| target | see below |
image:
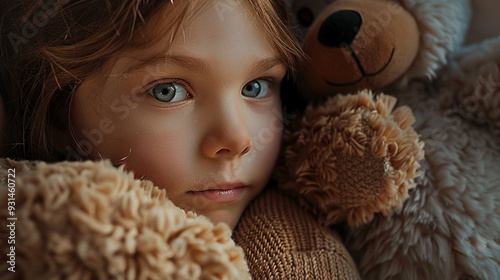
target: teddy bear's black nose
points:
(340, 28)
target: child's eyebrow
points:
(267, 64)
(198, 66)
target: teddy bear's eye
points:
(305, 16)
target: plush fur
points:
(442, 26)
(352, 156)
(449, 227)
(90, 220)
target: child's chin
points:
(229, 217)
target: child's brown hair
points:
(48, 48)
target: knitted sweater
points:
(281, 240)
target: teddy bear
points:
(448, 227)
(92, 220)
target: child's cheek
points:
(161, 158)
(159, 149)
(154, 144)
(267, 131)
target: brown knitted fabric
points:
(281, 240)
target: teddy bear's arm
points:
(91, 220)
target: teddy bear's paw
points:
(353, 156)
(90, 220)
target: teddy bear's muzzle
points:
(360, 45)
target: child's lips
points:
(226, 192)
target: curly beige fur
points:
(90, 220)
(352, 157)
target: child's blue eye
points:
(256, 89)
(168, 92)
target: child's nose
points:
(228, 135)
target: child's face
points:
(202, 119)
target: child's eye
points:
(168, 92)
(256, 89)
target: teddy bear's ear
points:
(442, 31)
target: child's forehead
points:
(176, 14)
(169, 23)
(174, 18)
(159, 38)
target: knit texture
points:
(281, 240)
